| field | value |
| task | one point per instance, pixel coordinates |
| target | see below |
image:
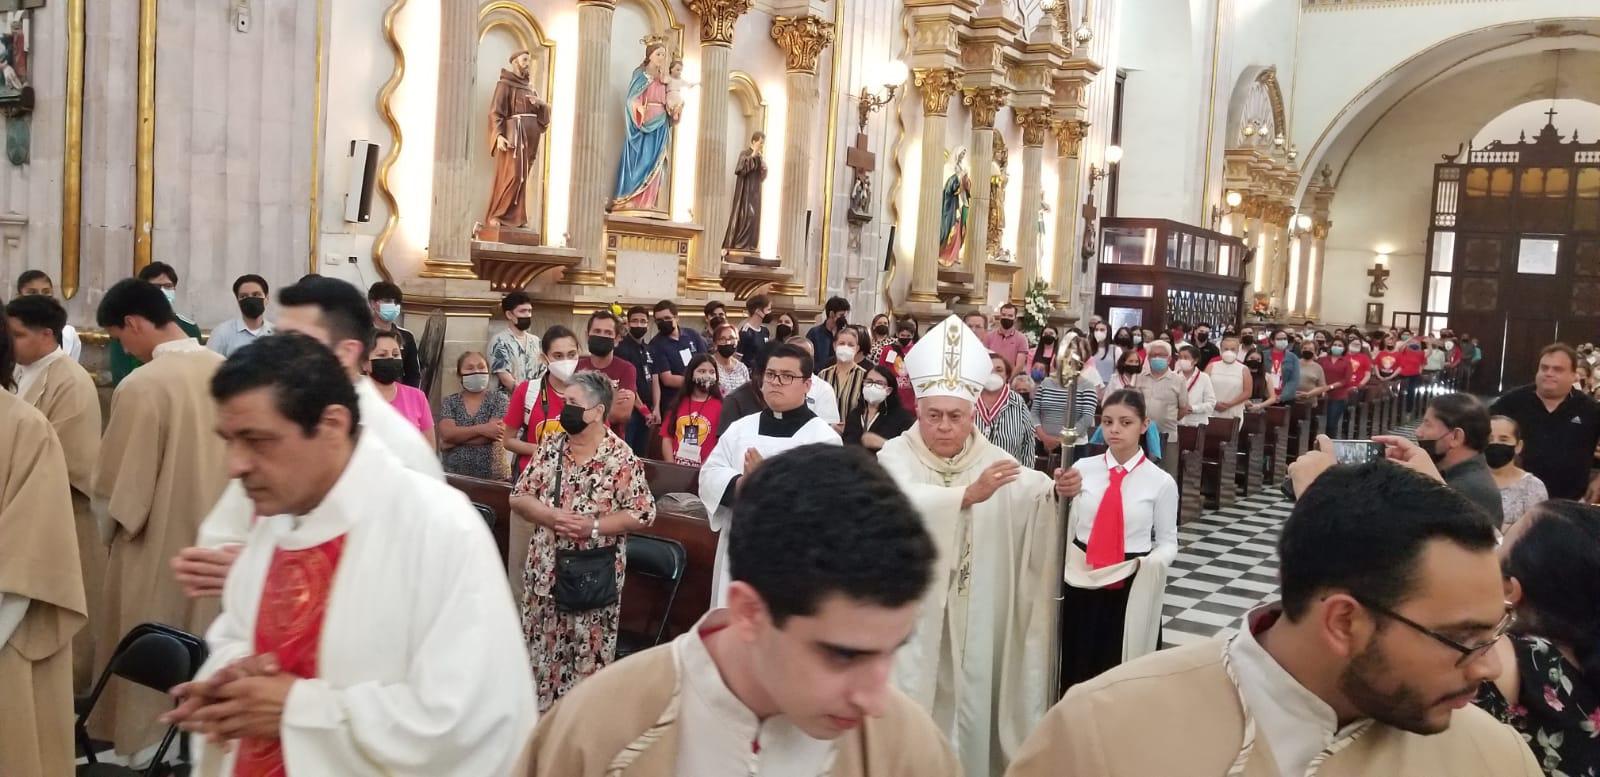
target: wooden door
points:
(1525, 337)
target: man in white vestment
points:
(984, 651)
(336, 314)
(785, 423)
(367, 627)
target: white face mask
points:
(476, 383)
(845, 353)
(1186, 365)
(994, 382)
(1229, 357)
(564, 369)
(874, 394)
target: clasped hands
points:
(243, 699)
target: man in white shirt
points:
(368, 628)
(37, 282)
(250, 291)
(792, 677)
(334, 313)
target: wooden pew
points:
(1191, 448)
(1252, 442)
(495, 494)
(1302, 427)
(1219, 464)
(1276, 453)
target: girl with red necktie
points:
(1124, 536)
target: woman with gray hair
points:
(584, 491)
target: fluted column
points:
(937, 85)
(712, 195)
(450, 232)
(1069, 138)
(985, 103)
(1319, 247)
(592, 176)
(802, 41)
(1035, 125)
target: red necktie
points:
(1107, 542)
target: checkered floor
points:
(1227, 565)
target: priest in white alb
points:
(984, 652)
(367, 627)
(785, 423)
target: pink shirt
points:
(1010, 344)
(413, 404)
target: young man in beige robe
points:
(792, 677)
(1392, 603)
(41, 601)
(160, 469)
(54, 383)
(986, 644)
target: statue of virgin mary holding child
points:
(642, 175)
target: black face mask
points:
(1128, 369)
(1048, 340)
(1007, 323)
(1431, 447)
(252, 307)
(726, 350)
(1201, 337)
(785, 332)
(1499, 454)
(600, 345)
(387, 371)
(637, 332)
(524, 323)
(664, 327)
(881, 330)
(1307, 355)
(572, 420)
(1254, 366)
(905, 342)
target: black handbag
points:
(584, 579)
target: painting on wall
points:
(1374, 314)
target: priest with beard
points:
(786, 422)
(367, 627)
(985, 648)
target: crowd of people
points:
(941, 548)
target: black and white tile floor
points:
(1227, 565)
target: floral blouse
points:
(610, 481)
(1557, 710)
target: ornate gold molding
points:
(802, 41)
(606, 3)
(1035, 123)
(387, 112)
(1069, 137)
(937, 85)
(985, 102)
(1319, 229)
(717, 18)
(144, 153)
(72, 154)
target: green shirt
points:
(123, 362)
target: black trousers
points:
(1092, 622)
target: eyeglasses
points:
(779, 378)
(1468, 652)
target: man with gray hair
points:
(1166, 399)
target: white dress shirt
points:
(25, 376)
(1149, 502)
(70, 342)
(823, 400)
(1202, 399)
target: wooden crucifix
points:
(1091, 230)
(863, 162)
(1380, 278)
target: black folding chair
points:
(664, 561)
(155, 656)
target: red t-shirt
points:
(1360, 368)
(693, 430)
(622, 375)
(541, 413)
(1410, 361)
(1337, 370)
(895, 360)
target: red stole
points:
(988, 414)
(289, 625)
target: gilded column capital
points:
(985, 102)
(937, 85)
(802, 41)
(1035, 123)
(1069, 137)
(1319, 229)
(1253, 206)
(717, 18)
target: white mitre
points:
(949, 361)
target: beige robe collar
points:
(181, 345)
(28, 377)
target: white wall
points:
(1165, 90)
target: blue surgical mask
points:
(1336, 350)
(1038, 374)
(1158, 364)
(171, 295)
(389, 311)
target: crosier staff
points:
(1069, 365)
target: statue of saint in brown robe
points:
(744, 224)
(517, 120)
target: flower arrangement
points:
(1036, 310)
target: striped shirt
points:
(1008, 424)
(846, 381)
(1050, 404)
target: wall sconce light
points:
(1113, 157)
(890, 77)
(1233, 200)
(1294, 153)
(1279, 140)
(1300, 225)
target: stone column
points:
(451, 229)
(1069, 138)
(712, 195)
(937, 86)
(592, 176)
(1035, 125)
(802, 41)
(1319, 248)
(985, 103)
(1250, 212)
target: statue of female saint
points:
(744, 223)
(953, 216)
(643, 172)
